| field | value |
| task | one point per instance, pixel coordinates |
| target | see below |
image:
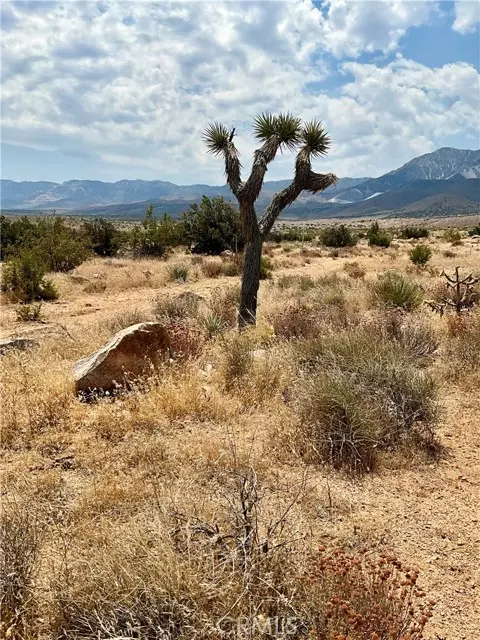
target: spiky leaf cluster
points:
(216, 137)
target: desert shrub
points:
(337, 425)
(294, 320)
(212, 226)
(20, 537)
(378, 237)
(177, 272)
(167, 308)
(463, 347)
(60, 247)
(126, 319)
(266, 268)
(414, 233)
(213, 325)
(237, 359)
(212, 268)
(186, 340)
(224, 304)
(24, 278)
(334, 253)
(449, 254)
(415, 335)
(354, 270)
(156, 236)
(364, 596)
(302, 283)
(29, 312)
(453, 236)
(233, 267)
(396, 291)
(337, 236)
(292, 234)
(103, 236)
(362, 385)
(420, 255)
(475, 231)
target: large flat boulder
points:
(130, 353)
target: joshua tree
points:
(276, 133)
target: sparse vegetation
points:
(220, 487)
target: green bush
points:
(24, 278)
(103, 236)
(475, 231)
(338, 236)
(396, 291)
(420, 255)
(414, 233)
(378, 237)
(156, 236)
(29, 312)
(61, 247)
(212, 226)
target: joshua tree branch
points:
(262, 158)
(232, 167)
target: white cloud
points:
(134, 84)
(467, 15)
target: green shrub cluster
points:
(393, 290)
(420, 255)
(378, 237)
(338, 236)
(414, 233)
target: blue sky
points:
(113, 90)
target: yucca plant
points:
(395, 291)
(276, 133)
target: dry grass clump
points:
(295, 320)
(396, 291)
(126, 319)
(178, 272)
(354, 270)
(360, 392)
(462, 351)
(212, 268)
(302, 283)
(31, 401)
(20, 541)
(364, 596)
(237, 359)
(224, 304)
(182, 307)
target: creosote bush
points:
(378, 237)
(338, 236)
(420, 255)
(414, 233)
(396, 291)
(24, 278)
(453, 236)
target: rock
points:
(20, 344)
(128, 354)
(227, 254)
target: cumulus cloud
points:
(467, 15)
(133, 84)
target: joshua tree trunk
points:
(247, 311)
(276, 133)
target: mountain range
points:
(444, 182)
